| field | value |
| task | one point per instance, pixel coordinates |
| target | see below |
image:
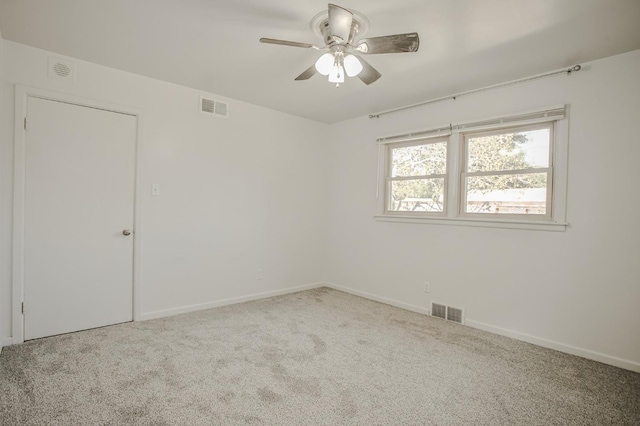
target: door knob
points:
(126, 232)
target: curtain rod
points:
(568, 71)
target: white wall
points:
(3, 230)
(579, 288)
(237, 194)
(252, 192)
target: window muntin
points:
(416, 177)
(508, 172)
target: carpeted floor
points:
(315, 357)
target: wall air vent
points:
(213, 107)
(447, 312)
(61, 69)
(455, 314)
(438, 310)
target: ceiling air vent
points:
(447, 312)
(213, 107)
(61, 69)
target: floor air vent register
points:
(448, 313)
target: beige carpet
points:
(316, 357)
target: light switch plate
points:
(155, 189)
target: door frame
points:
(22, 93)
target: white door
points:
(79, 198)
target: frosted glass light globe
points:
(352, 65)
(324, 63)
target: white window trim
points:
(388, 178)
(547, 170)
(557, 220)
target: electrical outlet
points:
(427, 287)
(258, 274)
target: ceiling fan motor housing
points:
(328, 37)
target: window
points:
(417, 177)
(507, 172)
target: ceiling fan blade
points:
(397, 43)
(289, 43)
(340, 20)
(308, 73)
(368, 74)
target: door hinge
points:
(25, 123)
(23, 307)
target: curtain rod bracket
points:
(575, 68)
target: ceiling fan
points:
(339, 28)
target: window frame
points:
(389, 178)
(464, 174)
(555, 220)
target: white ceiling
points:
(212, 45)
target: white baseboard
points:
(561, 347)
(5, 342)
(385, 300)
(584, 353)
(225, 302)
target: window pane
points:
(509, 151)
(419, 160)
(417, 195)
(507, 194)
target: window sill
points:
(485, 223)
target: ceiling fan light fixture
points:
(341, 30)
(325, 63)
(352, 65)
(337, 74)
